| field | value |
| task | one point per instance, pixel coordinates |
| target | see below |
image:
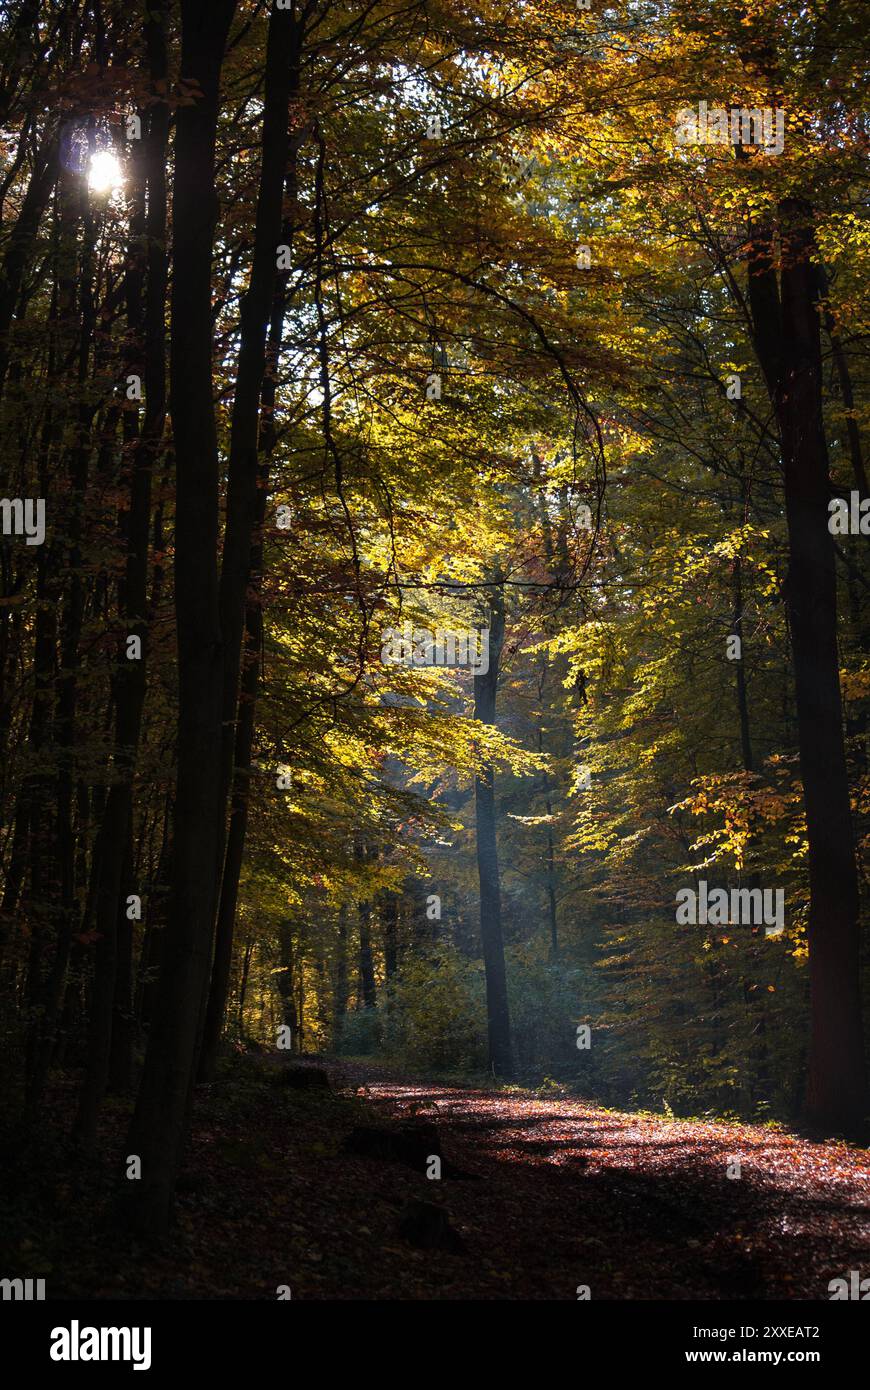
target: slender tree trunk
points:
(551, 889)
(247, 490)
(159, 1125)
(245, 725)
(21, 241)
(146, 255)
(740, 668)
(342, 988)
(844, 376)
(73, 269)
(856, 714)
(120, 1071)
(498, 1016)
(551, 855)
(368, 990)
(151, 956)
(281, 83)
(287, 983)
(250, 946)
(390, 914)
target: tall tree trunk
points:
(281, 83)
(788, 344)
(740, 669)
(247, 490)
(342, 988)
(151, 955)
(551, 887)
(287, 983)
(250, 946)
(856, 715)
(77, 326)
(844, 376)
(21, 241)
(551, 849)
(390, 915)
(368, 990)
(245, 723)
(146, 254)
(123, 1021)
(498, 1016)
(160, 1122)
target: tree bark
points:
(147, 233)
(250, 448)
(788, 344)
(342, 990)
(21, 243)
(281, 83)
(287, 984)
(250, 946)
(160, 1122)
(390, 917)
(368, 990)
(740, 669)
(498, 1015)
(75, 270)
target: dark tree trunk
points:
(115, 930)
(281, 83)
(856, 714)
(123, 1029)
(159, 1125)
(740, 669)
(247, 491)
(551, 889)
(551, 853)
(245, 723)
(75, 271)
(844, 376)
(390, 916)
(498, 1016)
(836, 1087)
(20, 245)
(250, 946)
(787, 341)
(368, 990)
(287, 984)
(342, 988)
(151, 956)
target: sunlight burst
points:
(104, 173)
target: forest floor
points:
(546, 1194)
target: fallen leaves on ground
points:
(554, 1193)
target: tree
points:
(158, 1127)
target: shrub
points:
(435, 1012)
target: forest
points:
(434, 678)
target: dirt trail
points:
(546, 1194)
(633, 1206)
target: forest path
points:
(634, 1206)
(546, 1194)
